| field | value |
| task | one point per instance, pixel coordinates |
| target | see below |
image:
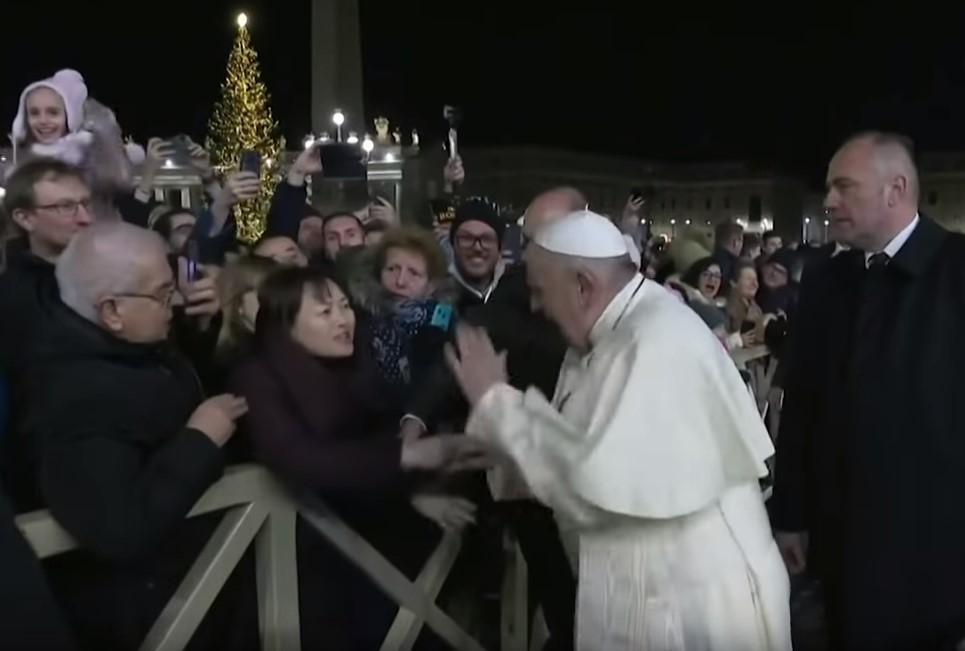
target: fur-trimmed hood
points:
(95, 146)
(362, 283)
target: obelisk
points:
(336, 65)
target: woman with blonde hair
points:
(406, 299)
(238, 286)
(745, 319)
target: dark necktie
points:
(879, 261)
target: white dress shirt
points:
(891, 249)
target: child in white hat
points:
(56, 118)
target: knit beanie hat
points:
(785, 258)
(69, 84)
(482, 210)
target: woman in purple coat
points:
(318, 419)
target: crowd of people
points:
(144, 348)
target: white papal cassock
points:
(650, 456)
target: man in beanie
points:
(477, 238)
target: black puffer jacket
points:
(104, 430)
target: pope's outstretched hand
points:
(475, 363)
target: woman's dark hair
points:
(280, 297)
(665, 269)
(692, 276)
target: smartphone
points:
(181, 146)
(443, 211)
(342, 161)
(192, 272)
(250, 162)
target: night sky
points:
(778, 86)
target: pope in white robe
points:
(649, 453)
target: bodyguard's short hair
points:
(887, 139)
(894, 142)
(20, 186)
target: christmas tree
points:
(242, 120)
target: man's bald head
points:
(551, 205)
(873, 189)
(109, 259)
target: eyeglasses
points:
(66, 208)
(711, 275)
(467, 241)
(163, 297)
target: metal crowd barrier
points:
(259, 510)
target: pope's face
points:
(556, 291)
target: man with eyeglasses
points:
(122, 442)
(47, 202)
(477, 237)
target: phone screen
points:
(443, 211)
(250, 162)
(342, 161)
(192, 274)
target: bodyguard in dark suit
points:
(871, 452)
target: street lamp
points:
(389, 157)
(806, 229)
(338, 119)
(242, 20)
(353, 138)
(367, 144)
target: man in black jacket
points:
(122, 443)
(871, 456)
(29, 618)
(49, 202)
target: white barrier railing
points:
(259, 510)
